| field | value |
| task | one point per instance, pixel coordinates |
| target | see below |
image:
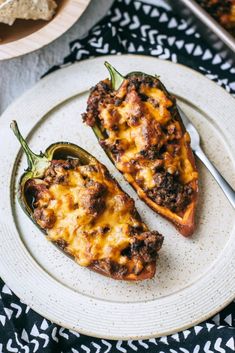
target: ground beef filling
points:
(100, 94)
(168, 191)
(143, 245)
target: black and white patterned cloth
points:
(149, 28)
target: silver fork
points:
(195, 145)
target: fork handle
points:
(227, 189)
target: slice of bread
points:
(10, 10)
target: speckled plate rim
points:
(70, 309)
(52, 30)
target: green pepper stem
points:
(36, 163)
(116, 78)
(30, 155)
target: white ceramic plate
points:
(195, 277)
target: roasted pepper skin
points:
(186, 224)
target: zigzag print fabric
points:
(24, 331)
(148, 28)
(138, 27)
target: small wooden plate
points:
(25, 36)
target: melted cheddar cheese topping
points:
(90, 214)
(143, 123)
